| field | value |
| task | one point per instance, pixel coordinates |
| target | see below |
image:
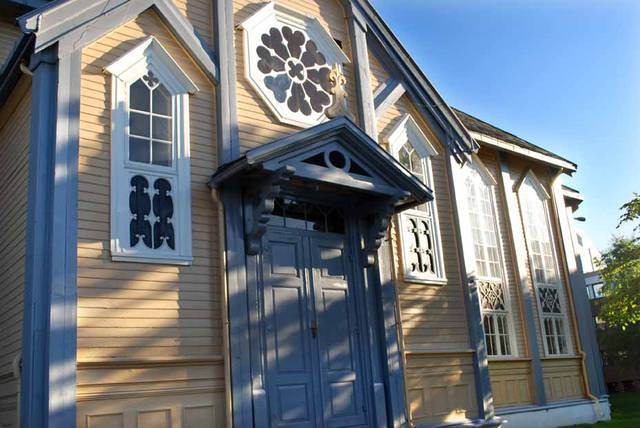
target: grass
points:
(625, 412)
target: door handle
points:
(314, 328)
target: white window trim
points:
(150, 55)
(485, 175)
(274, 14)
(545, 197)
(408, 131)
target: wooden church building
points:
(249, 213)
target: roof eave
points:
(567, 166)
(72, 18)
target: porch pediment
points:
(336, 153)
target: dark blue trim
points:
(228, 138)
(236, 278)
(49, 327)
(342, 131)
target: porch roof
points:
(377, 172)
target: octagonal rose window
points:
(288, 58)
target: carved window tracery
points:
(289, 58)
(419, 234)
(543, 263)
(495, 317)
(295, 71)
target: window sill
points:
(512, 358)
(180, 261)
(430, 281)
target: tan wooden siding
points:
(433, 316)
(164, 320)
(200, 14)
(15, 119)
(563, 378)
(379, 74)
(490, 160)
(511, 382)
(440, 388)
(257, 124)
(9, 34)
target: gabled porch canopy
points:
(336, 155)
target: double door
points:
(315, 370)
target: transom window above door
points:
(288, 59)
(419, 229)
(310, 216)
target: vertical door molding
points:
(237, 301)
(48, 389)
(520, 254)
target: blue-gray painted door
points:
(314, 375)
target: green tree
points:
(620, 268)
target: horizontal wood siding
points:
(433, 316)
(200, 14)
(9, 34)
(563, 378)
(440, 388)
(511, 382)
(15, 119)
(439, 372)
(149, 336)
(257, 124)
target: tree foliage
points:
(620, 269)
(621, 276)
(631, 211)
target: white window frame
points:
(272, 14)
(408, 131)
(475, 168)
(150, 55)
(531, 180)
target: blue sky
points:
(563, 74)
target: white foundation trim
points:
(558, 414)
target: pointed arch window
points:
(534, 207)
(495, 302)
(150, 168)
(419, 231)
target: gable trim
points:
(81, 23)
(417, 82)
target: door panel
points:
(290, 371)
(340, 371)
(314, 371)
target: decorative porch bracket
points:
(377, 230)
(263, 208)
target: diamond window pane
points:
(162, 153)
(139, 124)
(161, 100)
(139, 150)
(161, 128)
(139, 96)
